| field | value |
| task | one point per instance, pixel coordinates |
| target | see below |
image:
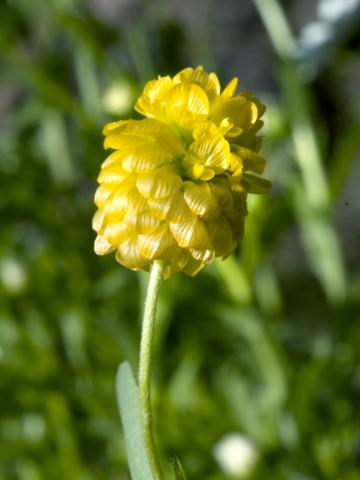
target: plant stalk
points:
(147, 334)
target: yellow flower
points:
(175, 186)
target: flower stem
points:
(145, 366)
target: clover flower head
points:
(175, 186)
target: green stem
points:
(145, 366)
(277, 26)
(320, 238)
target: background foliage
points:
(265, 344)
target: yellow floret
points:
(174, 188)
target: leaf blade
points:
(177, 469)
(129, 409)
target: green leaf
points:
(177, 469)
(128, 404)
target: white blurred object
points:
(33, 427)
(236, 454)
(12, 274)
(315, 34)
(320, 38)
(333, 10)
(118, 98)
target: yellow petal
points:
(126, 199)
(144, 159)
(193, 170)
(148, 131)
(177, 261)
(116, 216)
(183, 74)
(131, 219)
(147, 223)
(213, 151)
(158, 88)
(160, 207)
(240, 112)
(150, 102)
(184, 99)
(117, 233)
(225, 126)
(213, 84)
(102, 193)
(207, 174)
(200, 199)
(156, 244)
(209, 82)
(98, 220)
(260, 106)
(230, 88)
(234, 132)
(143, 128)
(160, 183)
(236, 167)
(134, 202)
(114, 173)
(191, 234)
(125, 141)
(112, 126)
(179, 211)
(149, 109)
(128, 254)
(102, 246)
(204, 127)
(114, 158)
(204, 256)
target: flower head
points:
(175, 186)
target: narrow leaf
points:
(177, 469)
(128, 404)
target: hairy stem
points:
(145, 366)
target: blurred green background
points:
(257, 360)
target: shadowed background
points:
(264, 346)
